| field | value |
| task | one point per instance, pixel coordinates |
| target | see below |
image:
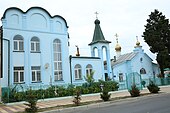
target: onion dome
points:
(118, 47)
(137, 43)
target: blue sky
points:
(124, 17)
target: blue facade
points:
(31, 41)
(134, 62)
(36, 52)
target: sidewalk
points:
(46, 103)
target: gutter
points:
(70, 57)
(8, 56)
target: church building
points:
(35, 51)
(135, 63)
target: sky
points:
(124, 17)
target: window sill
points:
(36, 82)
(79, 79)
(18, 51)
(35, 52)
(58, 80)
(19, 82)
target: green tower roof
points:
(98, 35)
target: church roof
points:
(15, 8)
(98, 34)
(124, 57)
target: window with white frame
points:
(18, 74)
(58, 74)
(120, 77)
(36, 73)
(142, 71)
(18, 43)
(77, 71)
(35, 44)
(89, 69)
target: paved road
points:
(159, 103)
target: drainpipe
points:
(1, 63)
(70, 57)
(8, 60)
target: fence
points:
(134, 78)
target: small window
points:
(18, 74)
(78, 73)
(18, 43)
(36, 74)
(142, 71)
(89, 69)
(35, 44)
(120, 77)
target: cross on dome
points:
(96, 14)
(116, 35)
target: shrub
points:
(153, 88)
(70, 90)
(32, 102)
(134, 91)
(143, 83)
(89, 78)
(77, 97)
(105, 96)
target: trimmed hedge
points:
(58, 91)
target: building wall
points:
(120, 68)
(141, 60)
(96, 66)
(35, 22)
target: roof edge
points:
(16, 8)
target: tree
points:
(157, 36)
(89, 78)
(32, 102)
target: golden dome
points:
(137, 43)
(118, 47)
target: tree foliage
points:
(89, 78)
(157, 36)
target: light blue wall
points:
(35, 22)
(100, 47)
(135, 64)
(96, 65)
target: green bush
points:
(153, 88)
(70, 90)
(11, 94)
(31, 98)
(105, 96)
(134, 91)
(77, 97)
(19, 96)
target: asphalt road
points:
(159, 103)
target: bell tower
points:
(99, 43)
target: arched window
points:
(35, 44)
(18, 43)
(77, 71)
(95, 52)
(89, 69)
(58, 75)
(142, 71)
